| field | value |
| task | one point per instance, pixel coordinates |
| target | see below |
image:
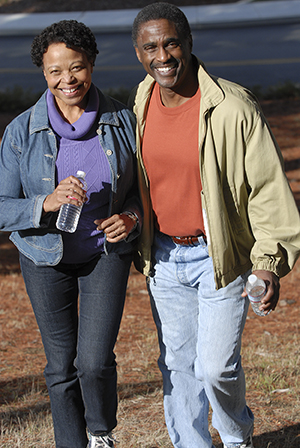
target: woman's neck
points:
(70, 113)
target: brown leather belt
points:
(188, 240)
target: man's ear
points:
(137, 54)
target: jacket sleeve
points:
(133, 202)
(273, 214)
(16, 211)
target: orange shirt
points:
(171, 157)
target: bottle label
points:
(255, 299)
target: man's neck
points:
(173, 97)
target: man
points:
(216, 206)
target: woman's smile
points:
(68, 73)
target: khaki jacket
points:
(251, 219)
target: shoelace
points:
(104, 441)
(247, 444)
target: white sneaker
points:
(247, 444)
(104, 441)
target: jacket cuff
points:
(267, 265)
(38, 211)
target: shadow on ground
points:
(12, 390)
(286, 437)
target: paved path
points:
(205, 16)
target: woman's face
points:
(68, 73)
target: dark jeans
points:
(79, 340)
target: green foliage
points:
(277, 92)
(17, 99)
(120, 94)
(286, 90)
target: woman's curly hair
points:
(71, 33)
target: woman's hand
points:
(116, 227)
(68, 191)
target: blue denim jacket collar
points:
(39, 118)
(107, 111)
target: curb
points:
(205, 16)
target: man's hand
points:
(270, 300)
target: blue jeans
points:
(79, 340)
(199, 330)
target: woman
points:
(73, 127)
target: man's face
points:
(164, 54)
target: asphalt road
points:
(265, 55)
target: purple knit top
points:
(79, 148)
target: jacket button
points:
(109, 152)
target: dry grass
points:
(270, 356)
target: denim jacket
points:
(27, 175)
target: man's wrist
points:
(134, 217)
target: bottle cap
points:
(80, 174)
(252, 279)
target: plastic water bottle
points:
(69, 214)
(256, 289)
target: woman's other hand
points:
(68, 191)
(116, 227)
